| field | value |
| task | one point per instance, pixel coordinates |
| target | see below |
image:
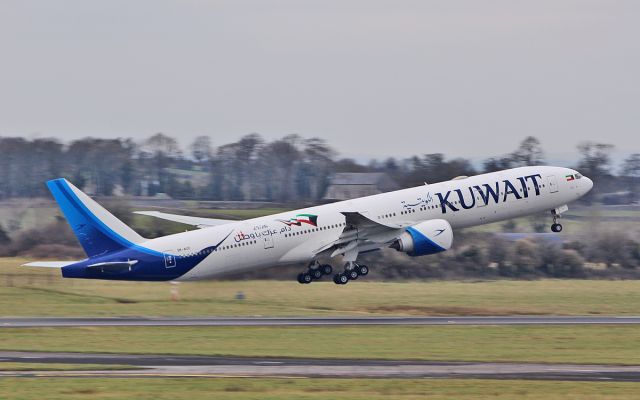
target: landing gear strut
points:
(555, 227)
(314, 272)
(351, 272)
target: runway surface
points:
(211, 367)
(34, 322)
(27, 322)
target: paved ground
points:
(26, 322)
(204, 366)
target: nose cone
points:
(588, 183)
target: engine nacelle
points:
(428, 237)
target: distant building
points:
(196, 178)
(349, 185)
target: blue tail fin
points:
(98, 231)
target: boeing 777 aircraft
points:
(417, 221)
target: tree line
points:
(289, 169)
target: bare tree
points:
(435, 168)
(201, 149)
(158, 153)
(162, 144)
(595, 158)
(595, 162)
(631, 172)
(528, 153)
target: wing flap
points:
(361, 234)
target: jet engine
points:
(428, 237)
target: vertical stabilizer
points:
(98, 231)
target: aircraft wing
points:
(359, 220)
(186, 219)
(362, 234)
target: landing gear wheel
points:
(340, 279)
(301, 278)
(326, 269)
(316, 273)
(363, 270)
(352, 274)
(557, 228)
(306, 277)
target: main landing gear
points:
(555, 227)
(351, 272)
(314, 272)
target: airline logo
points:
(300, 219)
(570, 178)
(496, 192)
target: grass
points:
(42, 292)
(238, 388)
(29, 291)
(572, 344)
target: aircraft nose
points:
(588, 183)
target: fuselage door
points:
(268, 242)
(552, 183)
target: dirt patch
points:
(450, 310)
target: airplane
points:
(417, 221)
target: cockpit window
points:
(578, 176)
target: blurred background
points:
(254, 176)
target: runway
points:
(36, 322)
(212, 367)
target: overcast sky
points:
(374, 78)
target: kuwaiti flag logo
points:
(301, 219)
(569, 178)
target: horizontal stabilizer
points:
(113, 266)
(186, 219)
(49, 264)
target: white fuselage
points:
(273, 240)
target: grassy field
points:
(230, 388)
(37, 292)
(573, 344)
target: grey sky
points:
(374, 78)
